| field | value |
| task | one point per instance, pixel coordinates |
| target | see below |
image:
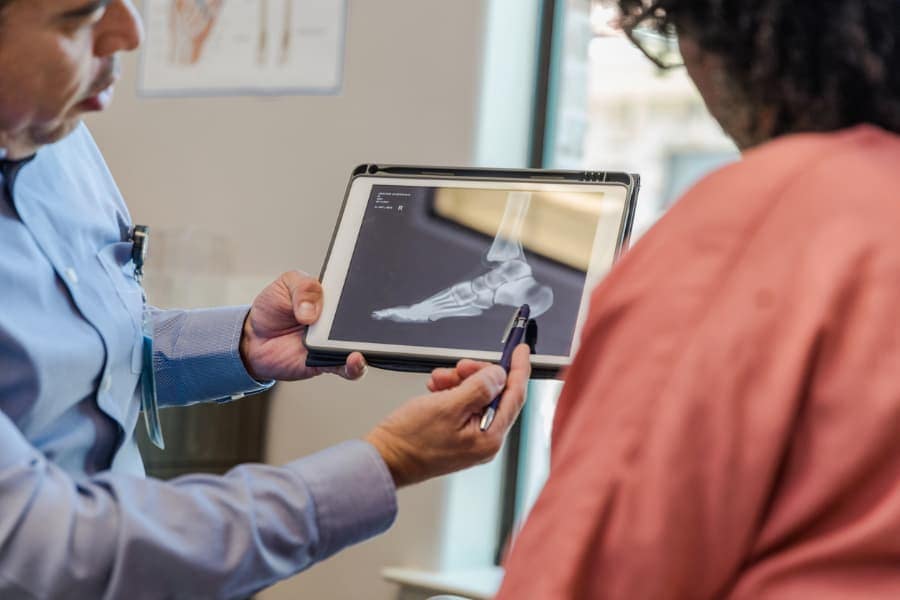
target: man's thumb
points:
(478, 390)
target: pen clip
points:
(509, 327)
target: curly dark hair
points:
(817, 65)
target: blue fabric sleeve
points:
(196, 356)
(198, 536)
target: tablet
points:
(427, 265)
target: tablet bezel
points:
(622, 186)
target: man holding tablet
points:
(79, 520)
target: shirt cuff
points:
(244, 382)
(353, 491)
(203, 361)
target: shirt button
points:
(72, 276)
(107, 383)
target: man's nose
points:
(120, 29)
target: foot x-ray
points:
(510, 283)
(446, 267)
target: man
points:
(729, 428)
(78, 519)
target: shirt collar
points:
(9, 170)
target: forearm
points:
(197, 536)
(197, 357)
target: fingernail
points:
(498, 378)
(307, 311)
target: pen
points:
(513, 337)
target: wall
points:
(269, 173)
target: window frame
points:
(552, 20)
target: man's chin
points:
(51, 135)
(28, 141)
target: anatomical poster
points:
(224, 47)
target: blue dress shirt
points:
(78, 517)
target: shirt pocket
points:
(116, 261)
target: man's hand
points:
(272, 340)
(439, 433)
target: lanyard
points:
(140, 238)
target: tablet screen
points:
(442, 265)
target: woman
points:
(729, 428)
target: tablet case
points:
(319, 357)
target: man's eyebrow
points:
(85, 10)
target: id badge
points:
(149, 404)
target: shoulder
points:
(795, 222)
(844, 207)
(839, 190)
(751, 269)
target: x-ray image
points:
(447, 267)
(510, 282)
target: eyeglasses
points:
(655, 37)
